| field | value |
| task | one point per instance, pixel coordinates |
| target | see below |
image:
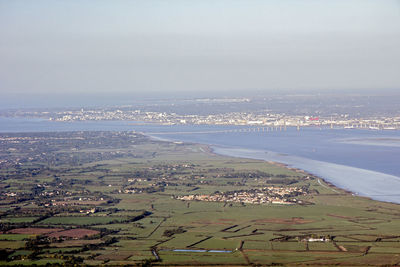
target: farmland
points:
(116, 198)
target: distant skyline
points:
(217, 46)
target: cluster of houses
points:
(274, 195)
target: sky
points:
(174, 47)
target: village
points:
(273, 195)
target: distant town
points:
(263, 118)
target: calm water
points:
(362, 161)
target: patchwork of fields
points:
(89, 200)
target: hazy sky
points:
(204, 45)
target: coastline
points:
(210, 149)
(279, 164)
(217, 150)
(374, 183)
(344, 178)
(329, 184)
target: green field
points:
(89, 220)
(131, 201)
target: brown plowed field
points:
(34, 231)
(74, 233)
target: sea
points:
(365, 162)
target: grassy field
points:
(89, 220)
(149, 225)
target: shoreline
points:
(361, 182)
(333, 187)
(370, 192)
(210, 148)
(329, 184)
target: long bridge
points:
(278, 129)
(240, 130)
